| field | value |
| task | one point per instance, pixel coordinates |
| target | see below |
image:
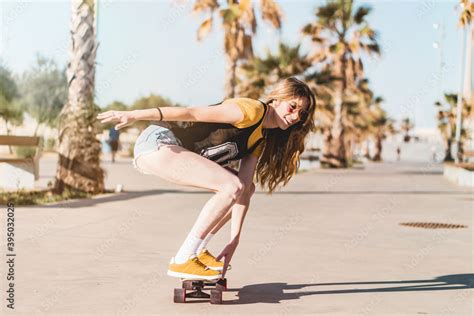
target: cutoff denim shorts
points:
(150, 140)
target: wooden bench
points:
(468, 154)
(17, 172)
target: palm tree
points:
(240, 24)
(381, 125)
(371, 121)
(78, 167)
(406, 126)
(467, 13)
(362, 119)
(339, 34)
(320, 82)
(447, 121)
(354, 122)
(259, 73)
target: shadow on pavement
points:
(114, 197)
(275, 292)
(422, 173)
(373, 192)
(124, 196)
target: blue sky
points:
(151, 47)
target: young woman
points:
(267, 137)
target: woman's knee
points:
(234, 187)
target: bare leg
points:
(181, 166)
(222, 222)
(228, 215)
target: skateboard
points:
(193, 288)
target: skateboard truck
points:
(196, 288)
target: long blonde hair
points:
(280, 158)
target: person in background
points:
(433, 153)
(113, 141)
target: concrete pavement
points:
(329, 243)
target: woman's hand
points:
(227, 253)
(124, 118)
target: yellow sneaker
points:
(209, 260)
(192, 269)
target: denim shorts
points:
(150, 140)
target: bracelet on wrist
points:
(161, 114)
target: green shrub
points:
(130, 149)
(25, 151)
(39, 197)
(50, 144)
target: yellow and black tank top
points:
(222, 142)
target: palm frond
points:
(361, 13)
(204, 28)
(271, 12)
(205, 5)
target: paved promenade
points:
(329, 243)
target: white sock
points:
(204, 242)
(188, 248)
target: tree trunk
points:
(378, 148)
(365, 149)
(337, 158)
(232, 56)
(230, 77)
(8, 133)
(349, 146)
(467, 89)
(36, 128)
(79, 163)
(325, 150)
(406, 138)
(448, 156)
(338, 151)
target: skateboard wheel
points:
(188, 285)
(180, 295)
(216, 297)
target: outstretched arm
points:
(222, 113)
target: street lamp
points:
(439, 45)
(459, 104)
